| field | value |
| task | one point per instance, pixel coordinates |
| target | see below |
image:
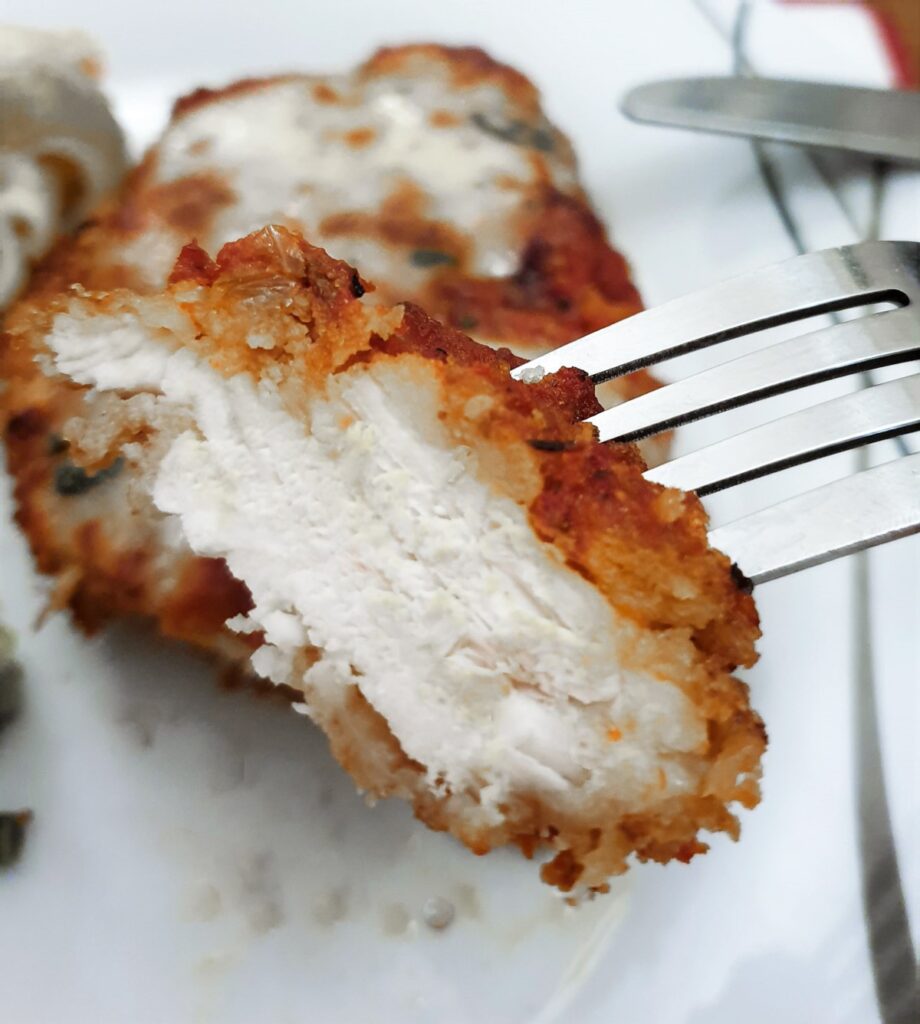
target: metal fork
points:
(868, 508)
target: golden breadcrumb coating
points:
(508, 249)
(276, 317)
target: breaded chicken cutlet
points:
(488, 613)
(432, 170)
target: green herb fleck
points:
(518, 133)
(10, 679)
(12, 836)
(542, 138)
(551, 446)
(467, 322)
(431, 258)
(71, 480)
(10, 684)
(57, 445)
(510, 131)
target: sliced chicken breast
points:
(489, 614)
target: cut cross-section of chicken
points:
(433, 169)
(490, 614)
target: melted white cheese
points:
(286, 155)
(496, 666)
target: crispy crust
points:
(569, 281)
(642, 546)
(468, 65)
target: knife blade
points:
(873, 121)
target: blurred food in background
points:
(61, 149)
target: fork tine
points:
(860, 511)
(877, 340)
(803, 286)
(868, 415)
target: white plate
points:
(198, 857)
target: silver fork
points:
(868, 508)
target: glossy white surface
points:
(197, 857)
